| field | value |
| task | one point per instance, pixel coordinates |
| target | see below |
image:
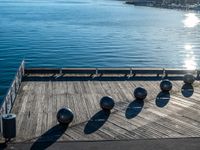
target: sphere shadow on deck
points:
(134, 108)
(49, 137)
(187, 90)
(96, 121)
(162, 99)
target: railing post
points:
(6, 106)
(96, 71)
(15, 86)
(60, 71)
(9, 101)
(23, 68)
(17, 80)
(11, 95)
(163, 75)
(131, 72)
(15, 92)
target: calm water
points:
(94, 33)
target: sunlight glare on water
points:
(190, 62)
(191, 20)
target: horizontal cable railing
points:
(130, 71)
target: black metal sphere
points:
(188, 78)
(107, 103)
(65, 116)
(140, 93)
(165, 85)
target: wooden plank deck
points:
(173, 115)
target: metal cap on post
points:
(9, 126)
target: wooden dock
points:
(43, 92)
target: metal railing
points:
(9, 99)
(114, 71)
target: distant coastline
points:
(170, 4)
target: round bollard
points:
(140, 93)
(165, 85)
(9, 126)
(107, 103)
(65, 116)
(188, 79)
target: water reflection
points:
(188, 47)
(190, 57)
(191, 20)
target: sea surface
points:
(94, 33)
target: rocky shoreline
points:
(190, 5)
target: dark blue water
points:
(94, 33)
